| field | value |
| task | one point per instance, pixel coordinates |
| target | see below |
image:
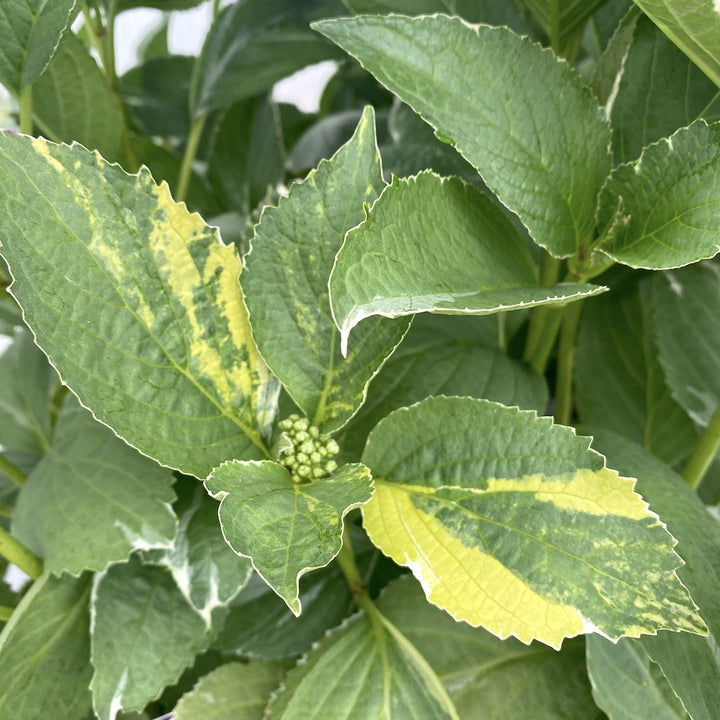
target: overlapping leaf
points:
(31, 31)
(661, 211)
(512, 523)
(139, 308)
(145, 633)
(45, 652)
(92, 500)
(694, 26)
(286, 528)
(570, 15)
(686, 323)
(542, 148)
(286, 285)
(435, 245)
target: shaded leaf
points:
(285, 527)
(144, 634)
(542, 148)
(286, 285)
(45, 652)
(140, 309)
(512, 523)
(92, 500)
(432, 244)
(571, 15)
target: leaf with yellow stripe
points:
(137, 303)
(514, 524)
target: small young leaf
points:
(92, 500)
(286, 283)
(521, 117)
(45, 652)
(365, 670)
(285, 527)
(144, 634)
(491, 507)
(31, 31)
(660, 211)
(432, 244)
(140, 308)
(686, 322)
(236, 691)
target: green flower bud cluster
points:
(304, 451)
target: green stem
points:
(549, 273)
(5, 612)
(110, 68)
(353, 577)
(26, 109)
(704, 452)
(94, 32)
(215, 8)
(566, 362)
(538, 359)
(190, 151)
(16, 553)
(12, 471)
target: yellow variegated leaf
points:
(512, 523)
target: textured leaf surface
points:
(73, 101)
(31, 31)
(661, 211)
(435, 245)
(659, 90)
(253, 44)
(443, 356)
(627, 684)
(572, 14)
(503, 677)
(140, 309)
(366, 670)
(542, 148)
(26, 383)
(261, 625)
(286, 284)
(694, 26)
(689, 662)
(205, 569)
(236, 691)
(145, 633)
(286, 528)
(512, 523)
(619, 381)
(45, 652)
(686, 322)
(92, 500)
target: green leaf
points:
(205, 569)
(627, 684)
(365, 670)
(261, 625)
(689, 662)
(92, 500)
(571, 15)
(686, 323)
(236, 691)
(72, 101)
(694, 26)
(619, 382)
(659, 212)
(286, 285)
(144, 634)
(31, 31)
(26, 386)
(658, 91)
(253, 44)
(432, 244)
(45, 652)
(436, 359)
(140, 309)
(542, 148)
(498, 513)
(285, 527)
(503, 677)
